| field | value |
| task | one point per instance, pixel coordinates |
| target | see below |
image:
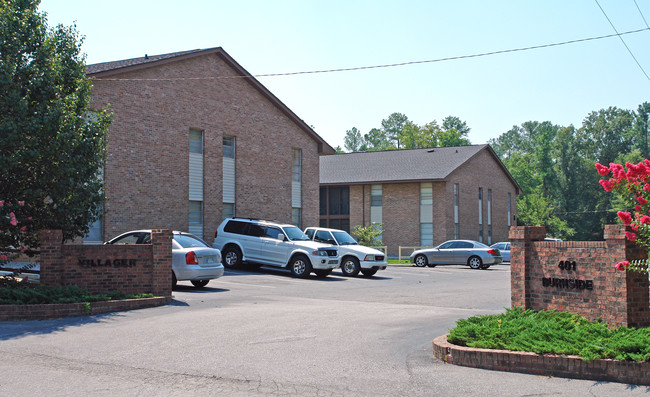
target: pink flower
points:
(607, 185)
(622, 265)
(637, 208)
(13, 221)
(630, 236)
(3, 257)
(2, 203)
(634, 227)
(645, 219)
(602, 170)
(29, 217)
(21, 203)
(626, 217)
(641, 200)
(22, 229)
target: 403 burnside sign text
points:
(567, 282)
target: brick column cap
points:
(532, 233)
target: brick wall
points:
(401, 215)
(593, 288)
(146, 172)
(132, 269)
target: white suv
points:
(354, 257)
(266, 243)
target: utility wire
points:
(623, 41)
(397, 64)
(637, 7)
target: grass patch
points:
(13, 292)
(551, 332)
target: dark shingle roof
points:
(395, 165)
(106, 66)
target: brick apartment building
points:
(422, 197)
(196, 138)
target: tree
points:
(51, 147)
(393, 126)
(353, 141)
(376, 140)
(368, 235)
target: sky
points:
(561, 84)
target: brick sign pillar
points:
(161, 240)
(579, 276)
(520, 262)
(51, 265)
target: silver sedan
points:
(458, 252)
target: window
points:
(196, 218)
(229, 147)
(273, 232)
(236, 227)
(296, 216)
(323, 236)
(509, 210)
(228, 211)
(376, 216)
(426, 214)
(335, 207)
(196, 141)
(296, 155)
(489, 211)
(480, 214)
(195, 179)
(456, 203)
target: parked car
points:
(192, 258)
(458, 252)
(355, 258)
(504, 248)
(262, 242)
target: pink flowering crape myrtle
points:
(632, 184)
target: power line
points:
(396, 64)
(637, 7)
(623, 41)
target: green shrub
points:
(23, 293)
(551, 332)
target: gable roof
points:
(109, 69)
(400, 165)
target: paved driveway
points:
(266, 333)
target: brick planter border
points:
(57, 310)
(547, 365)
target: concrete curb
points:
(548, 365)
(57, 310)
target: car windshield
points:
(344, 239)
(295, 234)
(187, 241)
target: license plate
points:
(209, 259)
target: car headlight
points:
(369, 258)
(319, 253)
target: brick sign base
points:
(547, 365)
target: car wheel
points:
(174, 281)
(231, 257)
(323, 272)
(475, 262)
(350, 266)
(199, 283)
(421, 261)
(368, 272)
(300, 266)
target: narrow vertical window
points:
(196, 183)
(456, 221)
(426, 214)
(376, 206)
(509, 209)
(228, 180)
(296, 187)
(480, 214)
(489, 213)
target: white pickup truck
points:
(355, 258)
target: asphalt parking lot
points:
(263, 332)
